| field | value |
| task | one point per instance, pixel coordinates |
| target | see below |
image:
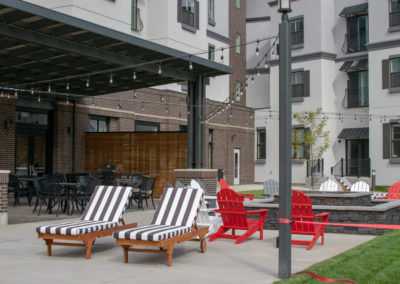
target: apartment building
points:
(345, 58)
(200, 28)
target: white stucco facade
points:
(323, 54)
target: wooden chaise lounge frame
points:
(166, 246)
(88, 239)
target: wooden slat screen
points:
(144, 153)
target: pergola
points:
(41, 47)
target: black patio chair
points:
(73, 177)
(107, 178)
(146, 190)
(22, 189)
(52, 195)
(40, 195)
(135, 182)
(84, 191)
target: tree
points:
(316, 137)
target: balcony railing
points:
(356, 42)
(352, 167)
(356, 98)
(187, 17)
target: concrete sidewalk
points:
(23, 259)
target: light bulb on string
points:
(67, 100)
(16, 94)
(87, 83)
(142, 105)
(134, 93)
(159, 69)
(252, 79)
(246, 86)
(266, 62)
(251, 115)
(2, 93)
(166, 108)
(8, 95)
(49, 88)
(119, 105)
(258, 72)
(111, 79)
(257, 49)
(190, 63)
(67, 86)
(222, 56)
(38, 99)
(134, 75)
(32, 91)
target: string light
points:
(67, 100)
(159, 69)
(49, 88)
(134, 93)
(222, 56)
(67, 86)
(111, 79)
(252, 78)
(257, 49)
(142, 105)
(134, 75)
(119, 105)
(16, 94)
(32, 92)
(190, 63)
(266, 62)
(246, 86)
(8, 95)
(87, 83)
(166, 108)
(258, 72)
(38, 98)
(2, 93)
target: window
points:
(261, 144)
(98, 124)
(357, 89)
(299, 147)
(357, 33)
(146, 126)
(27, 117)
(298, 84)
(188, 14)
(211, 52)
(238, 91)
(210, 148)
(238, 4)
(297, 27)
(395, 72)
(211, 12)
(237, 47)
(394, 13)
(395, 140)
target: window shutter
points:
(306, 79)
(385, 74)
(179, 4)
(197, 13)
(386, 140)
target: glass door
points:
(30, 157)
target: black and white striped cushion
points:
(76, 227)
(152, 232)
(178, 207)
(107, 203)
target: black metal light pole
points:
(285, 140)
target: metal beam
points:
(83, 50)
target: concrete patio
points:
(23, 258)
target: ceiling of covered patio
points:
(40, 47)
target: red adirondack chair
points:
(302, 211)
(394, 192)
(224, 184)
(234, 217)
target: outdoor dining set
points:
(69, 193)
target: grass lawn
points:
(257, 193)
(377, 261)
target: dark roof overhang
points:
(354, 65)
(42, 45)
(354, 133)
(354, 10)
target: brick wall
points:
(7, 133)
(208, 177)
(3, 197)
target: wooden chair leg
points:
(314, 240)
(88, 244)
(170, 250)
(125, 248)
(48, 244)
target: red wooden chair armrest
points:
(384, 197)
(260, 211)
(248, 195)
(321, 215)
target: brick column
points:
(3, 197)
(209, 177)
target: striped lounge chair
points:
(100, 219)
(174, 221)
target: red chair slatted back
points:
(394, 191)
(223, 183)
(230, 202)
(301, 211)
